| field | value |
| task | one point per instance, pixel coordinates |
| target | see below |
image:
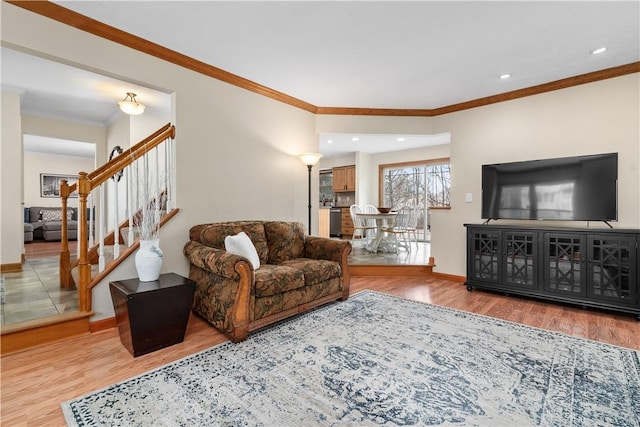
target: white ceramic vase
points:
(149, 260)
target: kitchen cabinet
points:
(344, 179)
(347, 223)
(587, 267)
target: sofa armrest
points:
(325, 248)
(224, 288)
(214, 260)
(331, 250)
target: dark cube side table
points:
(152, 315)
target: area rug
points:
(381, 360)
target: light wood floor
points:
(36, 381)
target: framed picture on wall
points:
(50, 184)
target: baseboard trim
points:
(34, 333)
(103, 324)
(15, 267)
(390, 270)
(451, 277)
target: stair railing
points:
(148, 167)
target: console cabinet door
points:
(563, 264)
(483, 257)
(520, 259)
(611, 268)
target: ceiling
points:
(380, 54)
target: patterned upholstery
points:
(297, 272)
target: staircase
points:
(111, 200)
(129, 183)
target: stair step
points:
(108, 251)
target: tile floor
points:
(35, 292)
(419, 255)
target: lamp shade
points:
(129, 105)
(310, 159)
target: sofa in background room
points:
(45, 223)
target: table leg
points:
(373, 245)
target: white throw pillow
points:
(241, 244)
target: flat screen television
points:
(581, 188)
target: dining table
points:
(380, 243)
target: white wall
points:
(600, 117)
(335, 161)
(37, 163)
(72, 131)
(145, 124)
(11, 215)
(236, 150)
(374, 124)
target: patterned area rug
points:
(382, 360)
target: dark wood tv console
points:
(584, 266)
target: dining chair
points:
(412, 225)
(372, 227)
(359, 226)
(399, 230)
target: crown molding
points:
(97, 28)
(506, 96)
(581, 79)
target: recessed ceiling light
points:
(505, 76)
(355, 139)
(597, 51)
(400, 139)
(330, 141)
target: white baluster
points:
(172, 167)
(116, 229)
(130, 206)
(91, 220)
(101, 260)
(167, 182)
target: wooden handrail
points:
(87, 182)
(128, 156)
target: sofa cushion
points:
(214, 234)
(241, 244)
(275, 279)
(54, 215)
(57, 225)
(35, 215)
(315, 271)
(285, 240)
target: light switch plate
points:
(469, 198)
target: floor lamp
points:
(310, 159)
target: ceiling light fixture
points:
(505, 76)
(355, 139)
(401, 139)
(129, 105)
(597, 51)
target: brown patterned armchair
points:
(296, 273)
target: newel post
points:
(65, 258)
(84, 267)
